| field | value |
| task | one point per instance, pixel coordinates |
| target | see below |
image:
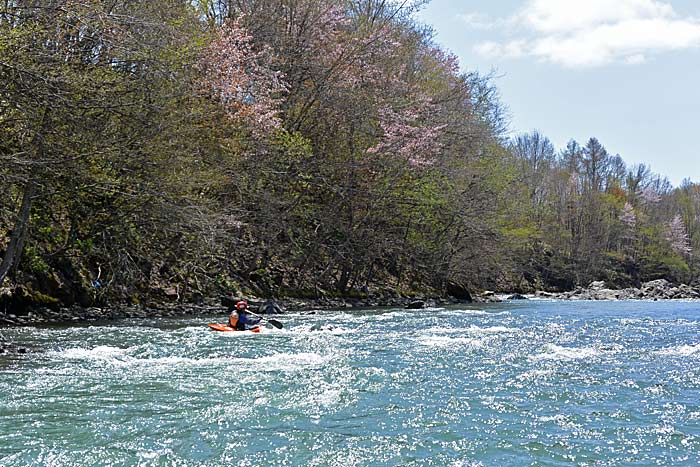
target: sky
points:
(624, 71)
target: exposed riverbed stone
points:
(517, 296)
(416, 305)
(654, 290)
(8, 348)
(488, 297)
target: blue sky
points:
(624, 71)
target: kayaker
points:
(240, 318)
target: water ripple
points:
(532, 383)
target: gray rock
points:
(656, 289)
(606, 294)
(517, 296)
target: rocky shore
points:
(38, 315)
(76, 314)
(654, 290)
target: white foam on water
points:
(324, 329)
(395, 314)
(154, 457)
(494, 330)
(558, 418)
(535, 375)
(338, 316)
(474, 337)
(101, 352)
(118, 357)
(561, 420)
(328, 395)
(190, 329)
(122, 358)
(467, 463)
(556, 352)
(477, 313)
(446, 341)
(292, 360)
(475, 330)
(630, 321)
(681, 351)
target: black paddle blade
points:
(275, 323)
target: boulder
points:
(605, 294)
(171, 293)
(517, 296)
(659, 289)
(630, 294)
(459, 291)
(7, 348)
(489, 296)
(270, 307)
(686, 291)
(416, 305)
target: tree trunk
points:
(19, 233)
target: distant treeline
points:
(587, 216)
(294, 147)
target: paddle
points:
(272, 322)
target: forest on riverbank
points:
(174, 149)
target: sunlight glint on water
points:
(533, 383)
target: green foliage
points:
(295, 146)
(390, 168)
(42, 299)
(35, 261)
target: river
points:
(516, 384)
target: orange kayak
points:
(227, 328)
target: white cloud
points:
(477, 21)
(563, 16)
(638, 59)
(591, 33)
(512, 49)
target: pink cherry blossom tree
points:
(241, 78)
(677, 236)
(628, 216)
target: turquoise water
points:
(520, 384)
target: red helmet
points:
(241, 305)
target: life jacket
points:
(246, 321)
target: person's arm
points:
(233, 319)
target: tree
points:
(677, 236)
(241, 79)
(91, 100)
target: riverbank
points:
(76, 314)
(654, 290)
(39, 315)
